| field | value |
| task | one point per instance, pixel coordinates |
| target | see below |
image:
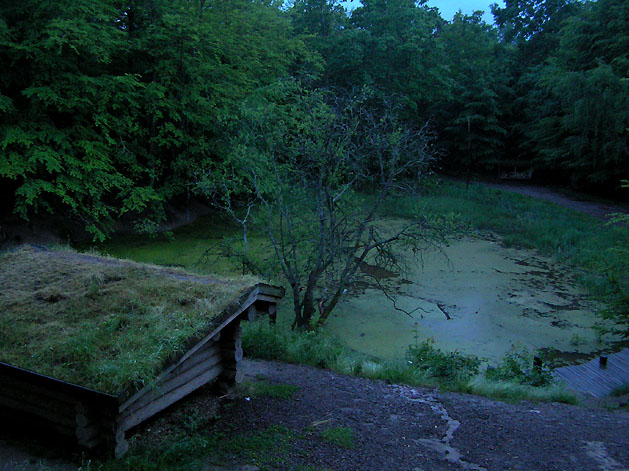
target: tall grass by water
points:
(424, 365)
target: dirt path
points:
(404, 428)
(583, 203)
(398, 428)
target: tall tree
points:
(402, 55)
(471, 120)
(63, 104)
(305, 170)
(583, 127)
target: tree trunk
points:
(305, 312)
(325, 313)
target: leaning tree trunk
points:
(305, 311)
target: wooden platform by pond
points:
(90, 347)
(593, 379)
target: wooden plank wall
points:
(69, 410)
(197, 370)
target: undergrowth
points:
(425, 365)
(266, 449)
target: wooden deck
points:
(590, 378)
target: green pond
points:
(476, 296)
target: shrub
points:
(517, 366)
(446, 367)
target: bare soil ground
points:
(394, 428)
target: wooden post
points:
(231, 356)
(537, 364)
(251, 313)
(272, 313)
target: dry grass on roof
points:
(107, 324)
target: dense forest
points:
(114, 109)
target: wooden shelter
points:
(515, 170)
(99, 418)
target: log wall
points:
(96, 419)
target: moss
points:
(340, 436)
(100, 322)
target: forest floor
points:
(291, 417)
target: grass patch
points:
(340, 436)
(620, 391)
(267, 449)
(263, 388)
(512, 391)
(98, 322)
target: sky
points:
(449, 7)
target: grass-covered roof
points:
(107, 324)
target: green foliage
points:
(572, 90)
(106, 107)
(112, 110)
(454, 372)
(518, 366)
(446, 367)
(401, 51)
(186, 450)
(473, 131)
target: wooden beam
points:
(207, 350)
(43, 411)
(174, 382)
(53, 385)
(161, 402)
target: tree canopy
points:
(114, 109)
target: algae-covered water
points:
(496, 297)
(477, 297)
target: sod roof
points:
(102, 323)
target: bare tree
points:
(321, 189)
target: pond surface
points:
(479, 298)
(495, 297)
